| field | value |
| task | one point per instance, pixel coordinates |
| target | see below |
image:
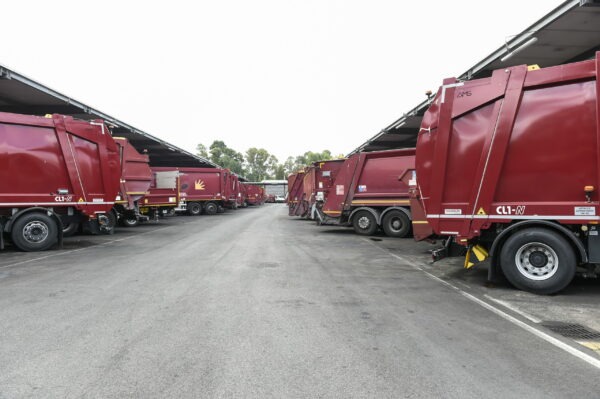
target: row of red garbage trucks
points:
(505, 167)
(59, 175)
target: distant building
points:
(273, 187)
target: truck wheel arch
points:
(366, 208)
(38, 209)
(13, 218)
(578, 247)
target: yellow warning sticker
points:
(80, 200)
(481, 212)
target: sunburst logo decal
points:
(199, 184)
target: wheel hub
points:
(536, 261)
(363, 222)
(396, 224)
(35, 231)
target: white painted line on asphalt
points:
(79, 249)
(591, 360)
(514, 309)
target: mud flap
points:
(421, 228)
(1, 236)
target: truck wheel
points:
(211, 208)
(112, 223)
(396, 224)
(538, 260)
(194, 208)
(129, 220)
(34, 232)
(70, 229)
(364, 223)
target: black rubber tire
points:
(396, 223)
(71, 229)
(194, 209)
(211, 208)
(566, 261)
(129, 220)
(41, 229)
(112, 223)
(368, 222)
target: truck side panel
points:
(518, 155)
(35, 153)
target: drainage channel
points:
(581, 334)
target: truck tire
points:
(194, 208)
(538, 260)
(396, 224)
(109, 229)
(70, 229)
(364, 223)
(211, 208)
(34, 232)
(129, 220)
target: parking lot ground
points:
(253, 303)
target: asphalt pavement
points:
(255, 304)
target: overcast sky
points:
(288, 76)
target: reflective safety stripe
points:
(57, 203)
(392, 201)
(524, 217)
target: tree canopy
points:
(258, 164)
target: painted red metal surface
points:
(57, 162)
(243, 193)
(136, 176)
(325, 174)
(237, 198)
(295, 188)
(254, 194)
(307, 192)
(164, 189)
(373, 179)
(201, 184)
(520, 145)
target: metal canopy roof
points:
(569, 33)
(20, 94)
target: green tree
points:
(260, 165)
(280, 172)
(227, 157)
(308, 158)
(202, 151)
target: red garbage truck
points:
(55, 171)
(243, 195)
(136, 178)
(201, 190)
(255, 195)
(163, 196)
(295, 186)
(307, 185)
(509, 168)
(370, 191)
(233, 192)
(324, 174)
